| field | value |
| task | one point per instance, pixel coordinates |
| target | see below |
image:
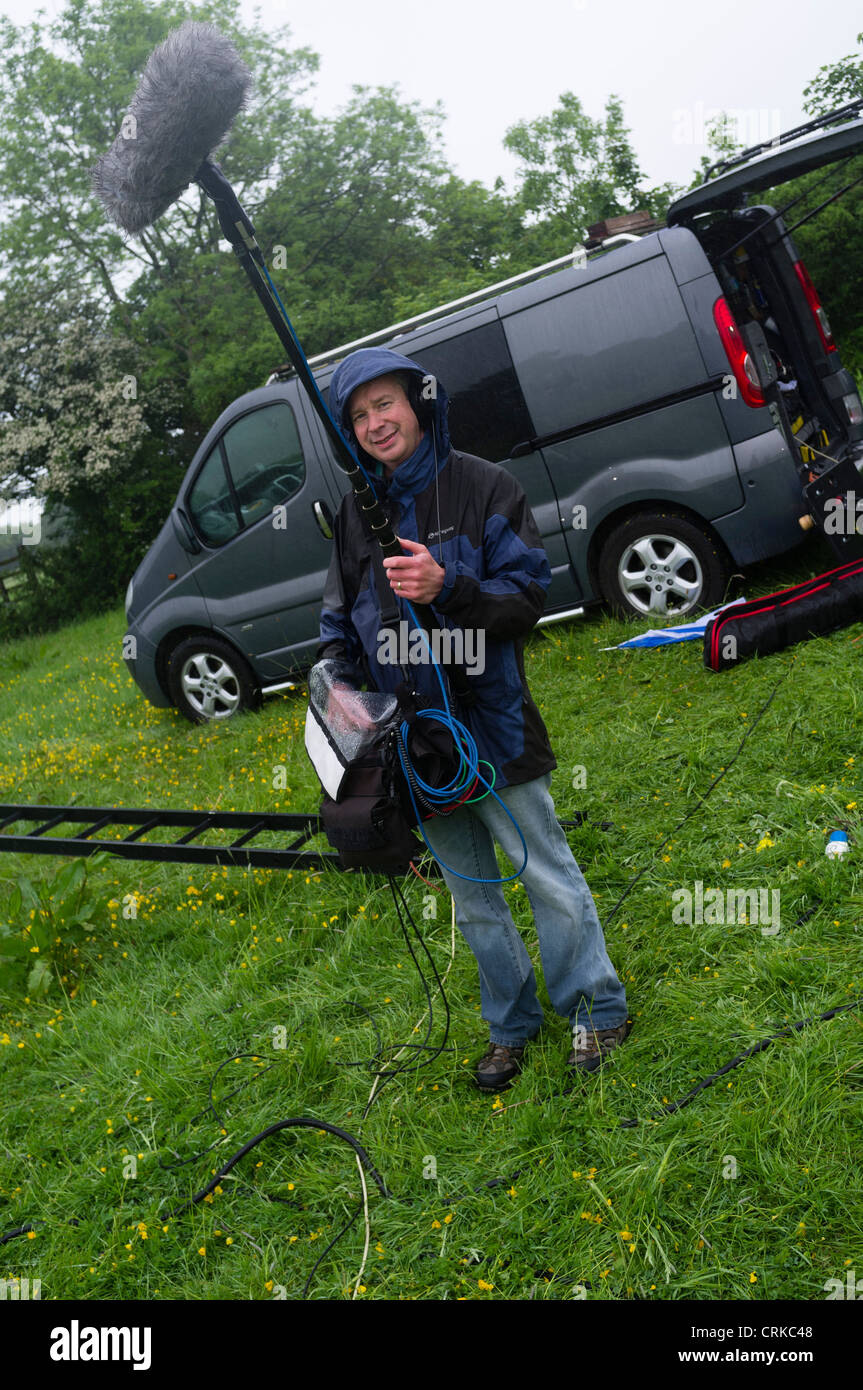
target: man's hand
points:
(345, 710)
(416, 576)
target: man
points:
(473, 553)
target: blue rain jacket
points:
(475, 520)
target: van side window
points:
(257, 464)
(488, 415)
(211, 505)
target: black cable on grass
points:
(485, 1186)
(20, 1231)
(300, 1121)
(377, 1032)
(294, 1122)
(334, 1240)
(211, 1109)
(717, 779)
(669, 1107)
(402, 911)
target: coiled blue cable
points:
(468, 772)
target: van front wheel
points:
(208, 680)
(661, 565)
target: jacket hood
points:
(365, 365)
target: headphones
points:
(423, 406)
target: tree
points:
(835, 84)
(79, 433)
(574, 167)
(68, 399)
(723, 144)
(575, 171)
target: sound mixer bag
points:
(368, 824)
(353, 739)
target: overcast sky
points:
(494, 62)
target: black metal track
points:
(298, 830)
(240, 853)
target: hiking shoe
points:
(498, 1067)
(591, 1048)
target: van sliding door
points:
(622, 403)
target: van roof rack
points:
(578, 256)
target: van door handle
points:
(324, 518)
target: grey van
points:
(620, 391)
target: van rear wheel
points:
(208, 680)
(661, 565)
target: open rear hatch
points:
(773, 327)
(767, 289)
(821, 141)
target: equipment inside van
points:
(674, 406)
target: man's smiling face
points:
(383, 422)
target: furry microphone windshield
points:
(192, 88)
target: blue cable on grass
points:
(468, 751)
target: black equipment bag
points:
(368, 825)
(371, 822)
(764, 625)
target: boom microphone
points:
(193, 86)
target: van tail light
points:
(853, 408)
(822, 323)
(735, 350)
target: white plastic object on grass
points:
(837, 845)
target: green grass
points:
(752, 1191)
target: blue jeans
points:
(581, 981)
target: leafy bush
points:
(59, 914)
